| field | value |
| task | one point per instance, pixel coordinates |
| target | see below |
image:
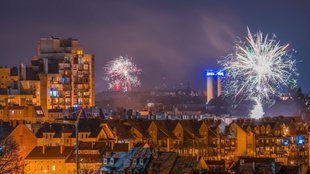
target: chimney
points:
(43, 149)
(61, 149)
(130, 145)
(14, 123)
(23, 71)
(113, 144)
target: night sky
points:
(171, 41)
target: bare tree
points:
(10, 160)
(87, 169)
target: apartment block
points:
(60, 76)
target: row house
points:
(284, 139)
(186, 137)
(57, 134)
(61, 159)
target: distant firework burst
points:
(121, 74)
(258, 68)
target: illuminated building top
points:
(211, 72)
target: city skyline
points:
(172, 42)
(154, 87)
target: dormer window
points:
(112, 161)
(141, 162)
(105, 161)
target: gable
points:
(203, 127)
(24, 138)
(107, 129)
(152, 127)
(178, 128)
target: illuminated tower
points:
(210, 90)
(214, 83)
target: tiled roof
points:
(92, 145)
(192, 126)
(161, 134)
(165, 128)
(50, 152)
(99, 147)
(184, 164)
(141, 126)
(88, 125)
(123, 130)
(121, 147)
(55, 128)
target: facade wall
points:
(26, 113)
(42, 166)
(4, 77)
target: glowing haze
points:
(258, 68)
(121, 74)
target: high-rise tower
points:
(60, 76)
(67, 79)
(214, 83)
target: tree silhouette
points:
(10, 160)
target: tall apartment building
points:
(68, 77)
(60, 76)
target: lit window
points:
(64, 80)
(54, 92)
(80, 60)
(286, 142)
(76, 106)
(80, 100)
(300, 139)
(53, 167)
(13, 112)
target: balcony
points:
(67, 87)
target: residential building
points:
(217, 146)
(60, 76)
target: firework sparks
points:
(258, 68)
(121, 74)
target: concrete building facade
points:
(60, 76)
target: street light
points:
(76, 124)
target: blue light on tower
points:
(211, 72)
(214, 83)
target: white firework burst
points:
(259, 67)
(121, 74)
